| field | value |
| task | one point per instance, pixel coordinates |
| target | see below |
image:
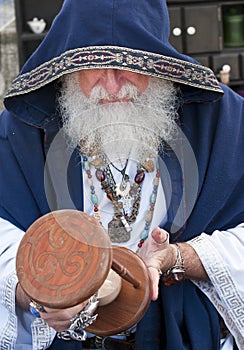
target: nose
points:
(112, 81)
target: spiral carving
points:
(63, 258)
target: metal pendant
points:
(122, 189)
(119, 230)
(127, 203)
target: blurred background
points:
(210, 31)
(9, 64)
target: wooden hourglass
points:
(66, 256)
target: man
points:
(106, 117)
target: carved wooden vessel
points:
(65, 257)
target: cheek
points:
(87, 79)
(140, 81)
(143, 84)
(84, 85)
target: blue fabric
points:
(170, 329)
(59, 344)
(213, 126)
(136, 24)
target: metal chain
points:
(80, 321)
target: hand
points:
(22, 299)
(158, 255)
(60, 319)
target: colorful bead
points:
(94, 198)
(149, 216)
(86, 165)
(148, 165)
(144, 234)
(97, 216)
(153, 198)
(156, 181)
(110, 196)
(100, 175)
(96, 162)
(140, 176)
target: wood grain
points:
(63, 258)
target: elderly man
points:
(108, 118)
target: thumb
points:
(160, 236)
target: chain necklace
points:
(124, 199)
(120, 171)
(119, 227)
(128, 197)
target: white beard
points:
(120, 130)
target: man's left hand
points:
(158, 256)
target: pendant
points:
(119, 230)
(127, 203)
(122, 189)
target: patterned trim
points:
(9, 332)
(221, 291)
(42, 334)
(116, 57)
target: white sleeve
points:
(18, 329)
(222, 255)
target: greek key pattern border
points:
(221, 290)
(8, 334)
(42, 334)
(116, 57)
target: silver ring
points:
(36, 308)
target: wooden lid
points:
(63, 258)
(132, 302)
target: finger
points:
(160, 236)
(59, 326)
(59, 320)
(57, 315)
(63, 314)
(154, 278)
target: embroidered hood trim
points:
(99, 57)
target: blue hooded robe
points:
(130, 35)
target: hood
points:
(121, 34)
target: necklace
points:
(122, 189)
(124, 200)
(128, 197)
(124, 168)
(119, 227)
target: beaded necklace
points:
(121, 221)
(123, 193)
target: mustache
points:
(99, 93)
(135, 127)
